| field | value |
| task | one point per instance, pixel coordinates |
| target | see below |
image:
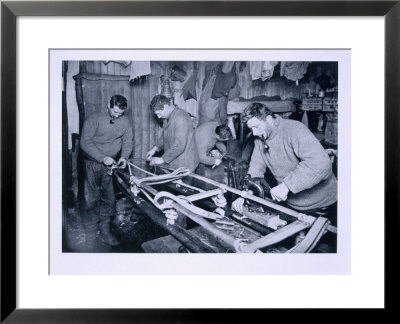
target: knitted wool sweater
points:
(206, 140)
(100, 138)
(295, 157)
(177, 141)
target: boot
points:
(105, 233)
(91, 231)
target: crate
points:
(312, 104)
(330, 104)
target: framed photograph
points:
(215, 167)
(134, 212)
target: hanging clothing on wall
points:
(189, 105)
(223, 82)
(138, 69)
(268, 69)
(234, 92)
(178, 74)
(262, 69)
(206, 94)
(223, 110)
(227, 66)
(294, 70)
(255, 69)
(122, 63)
(208, 110)
(212, 109)
(189, 89)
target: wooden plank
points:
(110, 68)
(97, 67)
(165, 244)
(131, 116)
(82, 66)
(145, 87)
(277, 236)
(103, 68)
(312, 237)
(105, 99)
(117, 68)
(105, 77)
(80, 102)
(89, 67)
(143, 125)
(125, 70)
(91, 93)
(138, 135)
(155, 129)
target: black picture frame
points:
(10, 10)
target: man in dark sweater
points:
(210, 138)
(177, 139)
(106, 136)
(295, 158)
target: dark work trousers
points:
(98, 193)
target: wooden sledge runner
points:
(166, 190)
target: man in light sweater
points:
(295, 158)
(177, 140)
(106, 136)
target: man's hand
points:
(216, 153)
(237, 205)
(156, 161)
(280, 192)
(121, 163)
(332, 154)
(150, 153)
(108, 161)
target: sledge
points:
(167, 196)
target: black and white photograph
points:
(190, 156)
(196, 162)
(180, 157)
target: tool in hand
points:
(113, 166)
(221, 158)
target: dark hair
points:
(258, 110)
(158, 102)
(223, 132)
(119, 101)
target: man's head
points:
(117, 106)
(223, 133)
(162, 106)
(260, 119)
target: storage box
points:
(330, 104)
(312, 104)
